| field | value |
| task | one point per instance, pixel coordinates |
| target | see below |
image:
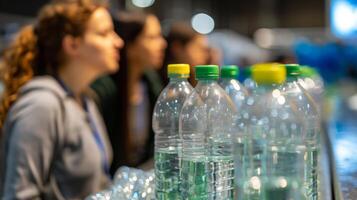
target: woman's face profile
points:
(100, 45)
(149, 47)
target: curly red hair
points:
(37, 49)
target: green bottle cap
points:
(292, 70)
(247, 72)
(229, 71)
(206, 72)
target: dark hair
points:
(37, 49)
(181, 33)
(128, 25)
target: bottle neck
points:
(267, 87)
(291, 78)
(206, 81)
(177, 79)
(227, 78)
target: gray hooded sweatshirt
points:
(49, 148)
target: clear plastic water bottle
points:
(311, 80)
(313, 83)
(274, 148)
(166, 127)
(228, 81)
(248, 82)
(308, 110)
(206, 127)
(238, 95)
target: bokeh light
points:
(202, 23)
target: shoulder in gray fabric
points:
(43, 91)
(35, 120)
(43, 83)
(45, 95)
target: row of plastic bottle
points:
(254, 142)
(224, 141)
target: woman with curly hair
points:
(54, 144)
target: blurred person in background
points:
(55, 145)
(1, 83)
(127, 98)
(237, 49)
(185, 45)
(214, 56)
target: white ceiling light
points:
(202, 23)
(143, 3)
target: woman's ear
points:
(70, 45)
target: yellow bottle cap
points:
(269, 73)
(182, 70)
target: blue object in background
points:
(243, 73)
(342, 16)
(332, 60)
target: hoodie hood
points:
(44, 83)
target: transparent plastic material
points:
(206, 127)
(129, 184)
(315, 87)
(104, 195)
(167, 141)
(235, 90)
(273, 146)
(238, 95)
(249, 84)
(133, 184)
(309, 111)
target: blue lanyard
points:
(98, 139)
(93, 127)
